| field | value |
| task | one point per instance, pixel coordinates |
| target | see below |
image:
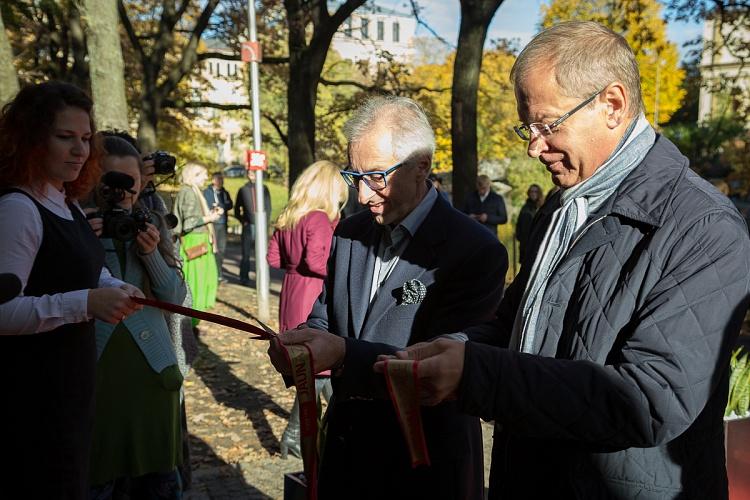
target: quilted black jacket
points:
(637, 324)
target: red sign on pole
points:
(251, 52)
(256, 160)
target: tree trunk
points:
(475, 20)
(148, 121)
(306, 62)
(305, 68)
(301, 119)
(79, 71)
(106, 64)
(8, 77)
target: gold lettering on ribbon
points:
(403, 387)
(303, 372)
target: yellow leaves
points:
(496, 111)
(640, 22)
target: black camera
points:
(164, 163)
(119, 223)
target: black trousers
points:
(248, 249)
(221, 246)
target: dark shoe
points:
(290, 443)
(245, 282)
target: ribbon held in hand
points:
(260, 333)
(403, 387)
(303, 373)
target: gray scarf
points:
(577, 203)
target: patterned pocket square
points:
(413, 292)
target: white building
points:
(224, 84)
(372, 29)
(369, 31)
(719, 68)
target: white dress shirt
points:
(21, 232)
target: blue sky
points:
(514, 19)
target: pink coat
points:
(303, 253)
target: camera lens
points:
(124, 229)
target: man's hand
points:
(278, 358)
(327, 349)
(441, 365)
(482, 217)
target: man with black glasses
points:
(606, 369)
(407, 269)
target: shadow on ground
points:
(233, 392)
(220, 480)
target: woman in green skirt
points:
(196, 231)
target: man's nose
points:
(537, 145)
(364, 192)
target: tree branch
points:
(189, 51)
(284, 138)
(415, 8)
(373, 88)
(236, 57)
(169, 103)
(179, 104)
(125, 20)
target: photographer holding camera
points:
(48, 158)
(137, 435)
(196, 231)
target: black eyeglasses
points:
(528, 132)
(375, 180)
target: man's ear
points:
(423, 164)
(617, 99)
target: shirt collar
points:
(413, 221)
(54, 196)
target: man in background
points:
(217, 196)
(485, 206)
(244, 211)
(534, 200)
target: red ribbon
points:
(301, 361)
(260, 334)
(403, 387)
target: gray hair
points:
(190, 172)
(411, 131)
(586, 57)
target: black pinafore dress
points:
(47, 379)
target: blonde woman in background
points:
(196, 232)
(300, 245)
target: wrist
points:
(338, 367)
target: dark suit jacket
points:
(244, 208)
(493, 206)
(224, 201)
(463, 268)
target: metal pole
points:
(261, 229)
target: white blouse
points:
(21, 232)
